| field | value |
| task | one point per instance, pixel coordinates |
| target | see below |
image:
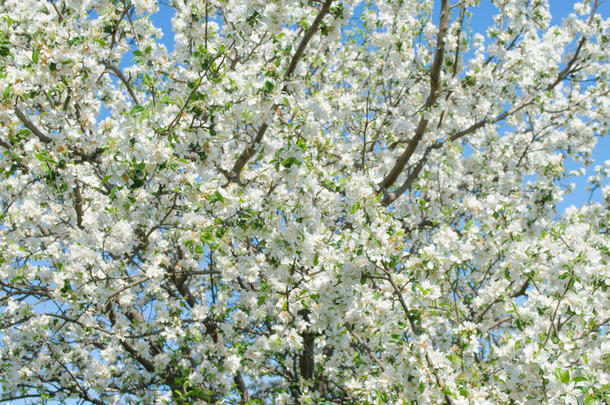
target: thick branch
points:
(184, 290)
(306, 358)
(404, 158)
(435, 73)
(408, 183)
(243, 390)
(247, 153)
(306, 38)
(179, 280)
(459, 36)
(250, 150)
(434, 77)
(144, 362)
(78, 206)
(30, 125)
(390, 197)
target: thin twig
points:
(59, 14)
(117, 72)
(368, 349)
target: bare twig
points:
(176, 119)
(115, 29)
(350, 329)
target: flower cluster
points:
(302, 202)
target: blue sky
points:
(482, 19)
(559, 9)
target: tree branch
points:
(417, 331)
(78, 206)
(306, 358)
(241, 386)
(350, 329)
(30, 125)
(246, 155)
(306, 38)
(117, 72)
(435, 72)
(59, 14)
(404, 158)
(115, 29)
(568, 69)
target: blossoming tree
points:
(302, 202)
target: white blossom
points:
(302, 202)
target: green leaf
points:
(35, 54)
(167, 100)
(136, 109)
(302, 144)
(216, 197)
(268, 88)
(288, 162)
(469, 81)
(77, 40)
(113, 192)
(146, 79)
(562, 376)
(100, 41)
(66, 288)
(206, 237)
